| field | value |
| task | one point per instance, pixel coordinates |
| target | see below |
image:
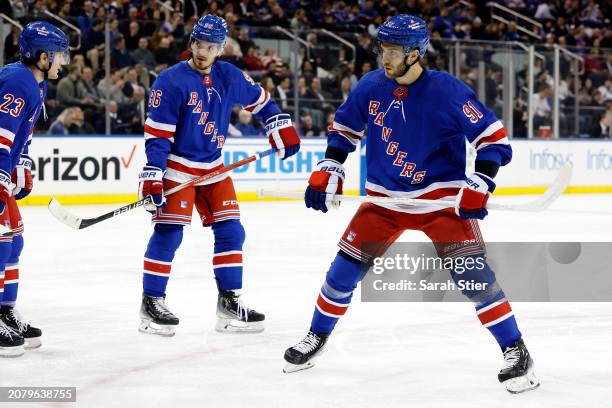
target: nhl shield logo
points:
(350, 237)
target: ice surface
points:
(83, 289)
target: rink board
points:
(104, 169)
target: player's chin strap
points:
(407, 65)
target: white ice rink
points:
(83, 289)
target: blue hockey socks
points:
(163, 244)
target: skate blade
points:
(521, 384)
(32, 343)
(10, 352)
(238, 326)
(292, 368)
(149, 327)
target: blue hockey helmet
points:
(41, 36)
(211, 28)
(406, 30)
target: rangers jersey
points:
(21, 101)
(418, 135)
(189, 117)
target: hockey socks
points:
(336, 293)
(158, 258)
(498, 318)
(5, 253)
(492, 308)
(227, 259)
(11, 273)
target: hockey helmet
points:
(212, 29)
(406, 30)
(40, 36)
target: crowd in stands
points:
(146, 36)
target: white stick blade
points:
(59, 212)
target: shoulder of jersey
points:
(19, 78)
(171, 76)
(371, 82)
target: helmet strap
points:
(407, 65)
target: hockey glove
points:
(472, 199)
(22, 177)
(282, 135)
(323, 184)
(151, 184)
(5, 189)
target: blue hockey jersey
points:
(416, 135)
(21, 101)
(189, 117)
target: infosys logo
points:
(61, 167)
(546, 159)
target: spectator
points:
(601, 128)
(71, 91)
(165, 54)
(245, 124)
(542, 107)
(86, 18)
(244, 40)
(318, 93)
(307, 127)
(132, 36)
(232, 58)
(71, 121)
(91, 91)
(252, 59)
(113, 86)
(144, 55)
(282, 94)
(120, 57)
(93, 43)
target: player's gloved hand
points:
(151, 184)
(282, 135)
(22, 177)
(5, 189)
(324, 182)
(472, 199)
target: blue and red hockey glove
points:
(323, 184)
(282, 135)
(22, 177)
(5, 189)
(151, 184)
(472, 199)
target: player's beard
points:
(202, 64)
(397, 71)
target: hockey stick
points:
(64, 216)
(541, 203)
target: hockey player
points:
(417, 123)
(43, 49)
(189, 112)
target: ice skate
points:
(304, 354)
(31, 335)
(156, 318)
(233, 316)
(11, 343)
(517, 374)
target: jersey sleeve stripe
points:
(6, 143)
(499, 137)
(160, 126)
(491, 129)
(263, 99)
(7, 134)
(153, 132)
(347, 130)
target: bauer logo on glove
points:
(282, 135)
